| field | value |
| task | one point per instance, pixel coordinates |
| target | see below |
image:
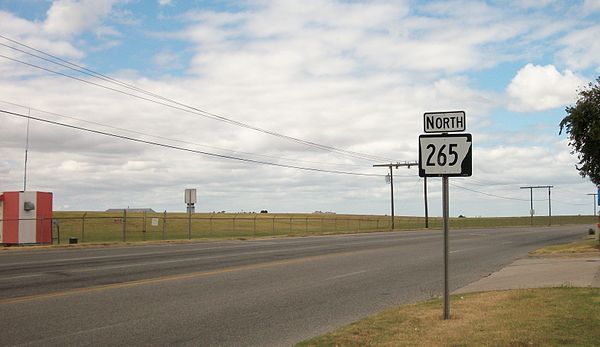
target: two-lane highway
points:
(262, 292)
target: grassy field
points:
(101, 227)
(532, 317)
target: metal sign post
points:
(445, 155)
(190, 200)
(446, 212)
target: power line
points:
(171, 139)
(488, 194)
(191, 111)
(153, 143)
(512, 198)
(29, 117)
(75, 67)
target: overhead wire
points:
(489, 194)
(171, 103)
(247, 160)
(554, 200)
(190, 109)
(175, 140)
(158, 144)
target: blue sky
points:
(354, 75)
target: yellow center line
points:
(167, 278)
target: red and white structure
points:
(25, 217)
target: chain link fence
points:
(99, 227)
(129, 227)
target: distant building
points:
(134, 210)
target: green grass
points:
(99, 227)
(532, 317)
(586, 246)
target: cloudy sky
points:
(321, 89)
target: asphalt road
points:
(271, 292)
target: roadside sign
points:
(444, 122)
(190, 196)
(448, 155)
(445, 155)
(154, 222)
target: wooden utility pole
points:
(396, 165)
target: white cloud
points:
(352, 75)
(165, 2)
(166, 59)
(581, 48)
(66, 18)
(591, 5)
(537, 88)
(32, 34)
(529, 4)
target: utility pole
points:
(396, 165)
(26, 150)
(594, 194)
(531, 188)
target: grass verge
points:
(586, 246)
(531, 317)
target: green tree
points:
(582, 125)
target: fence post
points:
(335, 224)
(322, 225)
(234, 223)
(58, 233)
(164, 226)
(255, 224)
(358, 223)
(124, 225)
(290, 225)
(377, 223)
(83, 226)
(306, 225)
(211, 226)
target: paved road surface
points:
(239, 293)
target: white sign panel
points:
(154, 222)
(445, 155)
(190, 196)
(444, 122)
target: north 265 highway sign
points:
(445, 155)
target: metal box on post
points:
(25, 218)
